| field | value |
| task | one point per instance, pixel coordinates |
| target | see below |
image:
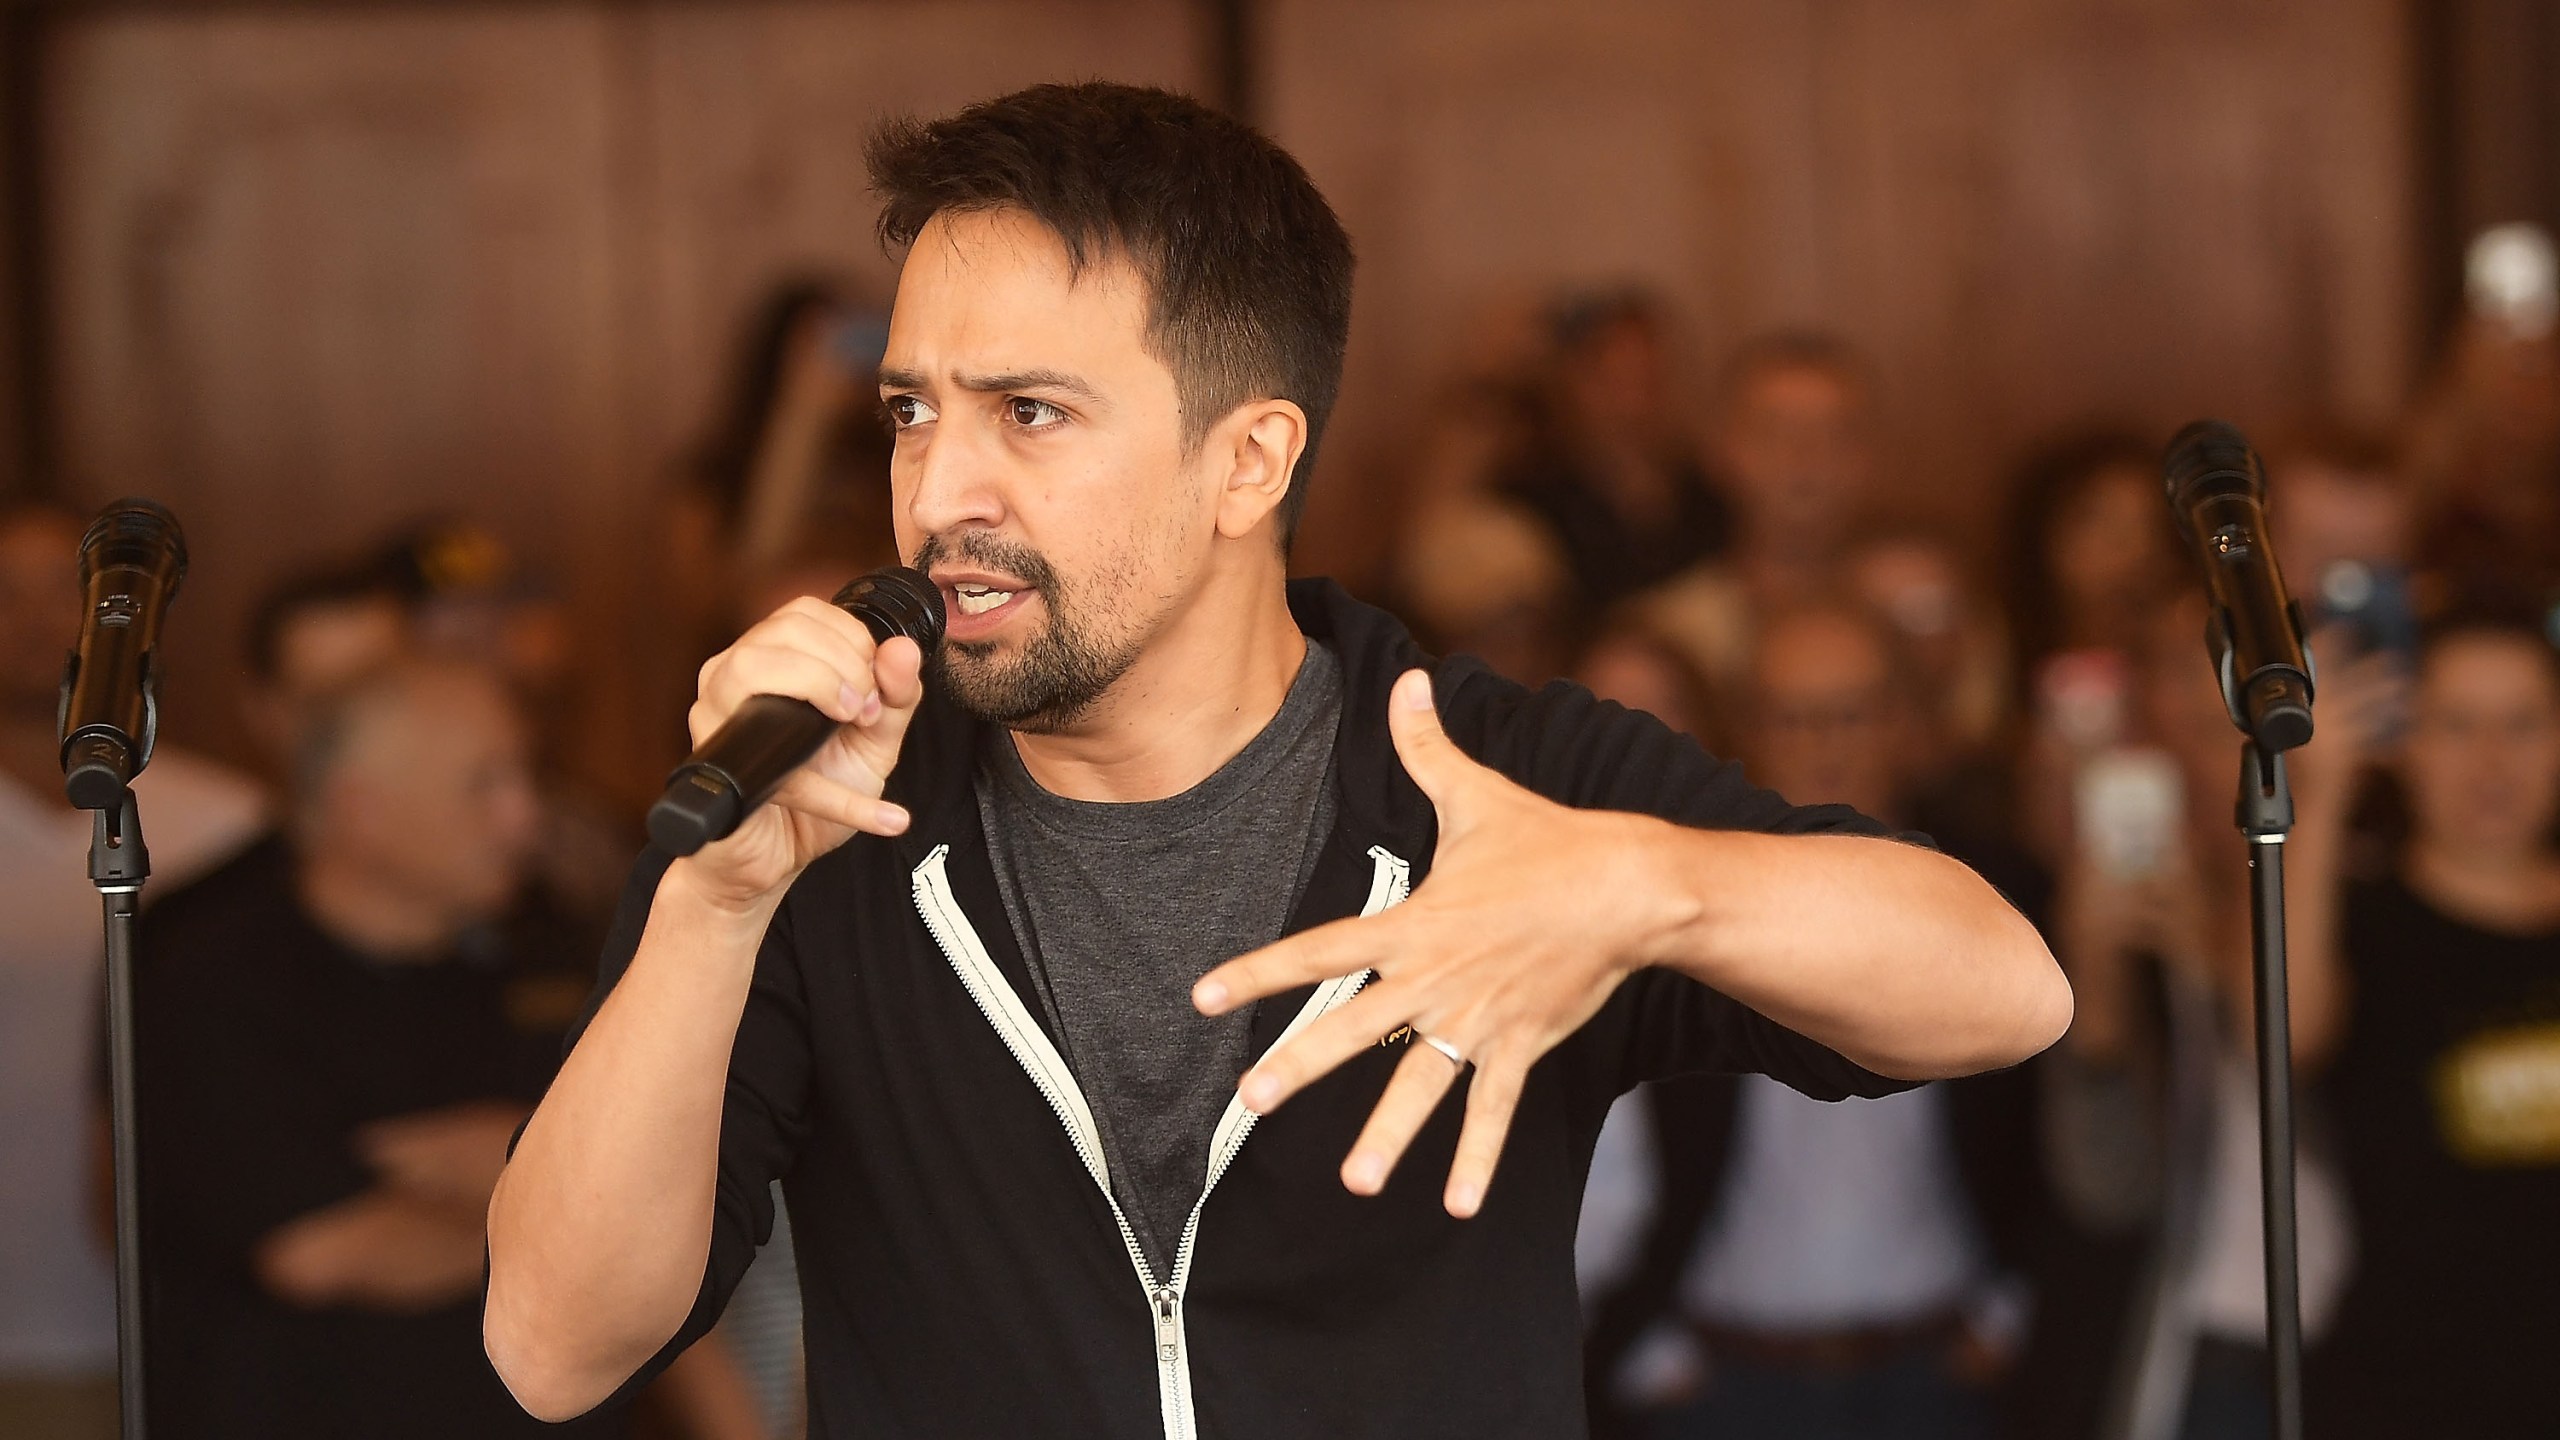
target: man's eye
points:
(906, 410)
(1033, 414)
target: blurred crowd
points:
(362, 950)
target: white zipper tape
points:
(961, 945)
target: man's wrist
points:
(686, 895)
(1666, 907)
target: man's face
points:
(39, 612)
(435, 791)
(1827, 727)
(1041, 477)
(1795, 445)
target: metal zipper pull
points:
(1168, 1315)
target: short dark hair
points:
(1248, 270)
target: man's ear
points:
(1257, 452)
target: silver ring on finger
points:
(1443, 1046)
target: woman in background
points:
(2090, 546)
(2428, 997)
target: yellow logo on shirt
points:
(2498, 1097)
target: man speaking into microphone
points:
(1135, 997)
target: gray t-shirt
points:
(1121, 907)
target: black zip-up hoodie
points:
(963, 1267)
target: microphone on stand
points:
(2218, 492)
(130, 564)
(757, 748)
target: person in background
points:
(335, 1041)
(57, 1271)
(1605, 466)
(2343, 518)
(1476, 571)
(1794, 442)
(799, 441)
(1632, 665)
(1956, 639)
(2484, 437)
(2092, 562)
(2428, 999)
(309, 634)
(467, 597)
(1837, 1266)
(825, 554)
(1795, 438)
(2152, 1315)
(1486, 579)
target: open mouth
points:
(972, 599)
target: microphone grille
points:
(135, 532)
(2208, 458)
(895, 600)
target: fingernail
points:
(848, 703)
(1209, 996)
(1365, 1173)
(894, 819)
(1412, 694)
(870, 707)
(1258, 1091)
(1463, 1200)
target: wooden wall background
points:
(313, 270)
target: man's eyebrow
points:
(1002, 382)
(1012, 380)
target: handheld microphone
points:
(2217, 490)
(130, 564)
(757, 748)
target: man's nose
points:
(956, 480)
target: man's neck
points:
(359, 909)
(1204, 688)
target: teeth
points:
(978, 599)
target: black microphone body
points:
(2217, 490)
(769, 736)
(131, 561)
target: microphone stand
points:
(118, 864)
(2265, 818)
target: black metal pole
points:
(2266, 818)
(118, 864)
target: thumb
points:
(1430, 756)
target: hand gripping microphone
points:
(770, 736)
(130, 564)
(2217, 491)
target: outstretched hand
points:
(1523, 928)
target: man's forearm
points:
(601, 1225)
(1898, 957)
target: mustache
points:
(992, 552)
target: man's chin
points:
(1002, 690)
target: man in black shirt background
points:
(336, 1037)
